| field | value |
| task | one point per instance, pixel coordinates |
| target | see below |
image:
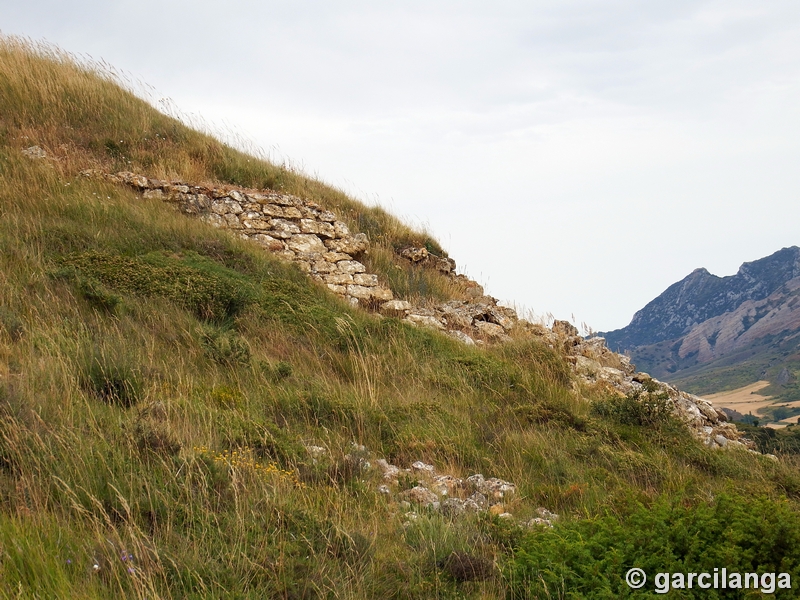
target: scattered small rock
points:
(34, 152)
(422, 496)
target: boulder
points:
(415, 255)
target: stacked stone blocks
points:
(295, 229)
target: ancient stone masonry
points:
(295, 229)
(305, 233)
(477, 319)
(595, 365)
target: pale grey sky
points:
(575, 156)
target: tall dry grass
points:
(122, 404)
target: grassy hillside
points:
(161, 383)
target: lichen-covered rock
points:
(424, 321)
(395, 308)
(305, 242)
(422, 496)
(490, 330)
(34, 152)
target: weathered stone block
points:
(395, 308)
(269, 242)
(338, 278)
(350, 266)
(334, 257)
(424, 321)
(382, 293)
(213, 219)
(359, 291)
(415, 254)
(349, 245)
(273, 210)
(258, 224)
(315, 227)
(367, 279)
(282, 200)
(490, 330)
(305, 242)
(284, 225)
(337, 289)
(290, 212)
(341, 230)
(323, 266)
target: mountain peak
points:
(702, 295)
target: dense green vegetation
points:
(590, 557)
(160, 381)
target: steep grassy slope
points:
(83, 118)
(161, 382)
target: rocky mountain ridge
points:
(712, 333)
(701, 296)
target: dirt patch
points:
(747, 400)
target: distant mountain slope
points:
(701, 296)
(709, 333)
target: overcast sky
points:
(576, 157)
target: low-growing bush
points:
(640, 408)
(97, 295)
(211, 291)
(112, 379)
(225, 346)
(588, 558)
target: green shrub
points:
(157, 437)
(212, 292)
(588, 558)
(639, 408)
(97, 295)
(225, 346)
(274, 372)
(112, 379)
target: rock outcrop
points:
(476, 320)
(321, 245)
(597, 366)
(293, 228)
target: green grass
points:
(160, 379)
